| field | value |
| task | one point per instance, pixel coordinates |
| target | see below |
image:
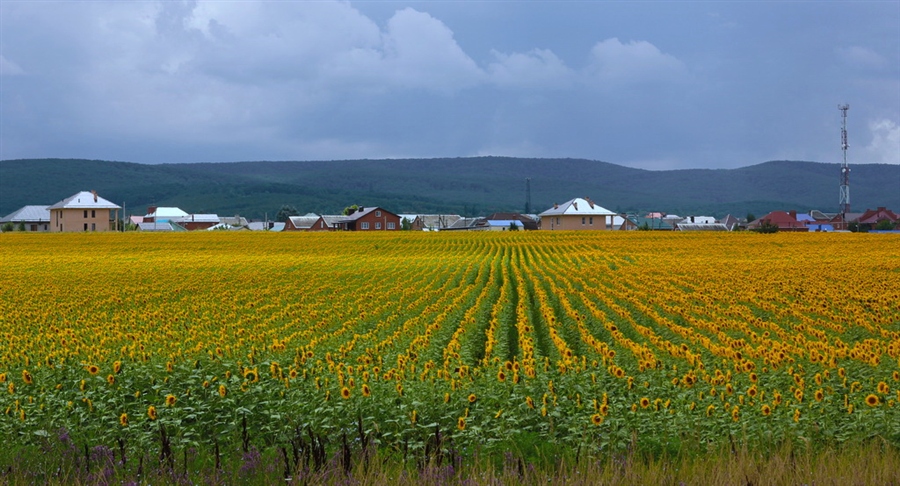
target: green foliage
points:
(8, 226)
(350, 210)
(405, 224)
(513, 226)
(286, 212)
(885, 224)
(766, 227)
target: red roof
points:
(872, 216)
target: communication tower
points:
(845, 169)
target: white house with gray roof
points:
(31, 218)
(84, 211)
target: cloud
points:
(9, 68)
(885, 145)
(632, 62)
(860, 57)
(539, 68)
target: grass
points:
(58, 462)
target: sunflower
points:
(883, 387)
(293, 373)
(472, 398)
(251, 375)
(170, 400)
(366, 391)
(896, 375)
(498, 414)
(26, 377)
(461, 423)
(872, 400)
(709, 410)
(81, 385)
(111, 379)
(796, 415)
(123, 420)
(117, 367)
(753, 377)
(327, 395)
(413, 417)
(345, 393)
(752, 391)
(645, 402)
(2, 377)
(596, 419)
(766, 410)
(619, 372)
(151, 412)
(820, 395)
(529, 402)
(729, 389)
(501, 376)
(735, 414)
(446, 398)
(400, 388)
(93, 369)
(222, 391)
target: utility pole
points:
(844, 202)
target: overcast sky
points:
(649, 84)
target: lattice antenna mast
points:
(845, 169)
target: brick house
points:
(369, 219)
(84, 211)
(785, 220)
(577, 214)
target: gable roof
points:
(84, 200)
(304, 222)
(577, 207)
(362, 212)
(164, 212)
(872, 216)
(28, 214)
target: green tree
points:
(751, 217)
(405, 224)
(885, 224)
(20, 227)
(350, 210)
(7, 226)
(286, 212)
(513, 226)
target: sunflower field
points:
(307, 346)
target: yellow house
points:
(85, 211)
(577, 214)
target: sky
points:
(646, 84)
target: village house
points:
(163, 214)
(784, 220)
(193, 222)
(432, 222)
(526, 222)
(577, 214)
(301, 223)
(872, 217)
(28, 218)
(369, 219)
(84, 211)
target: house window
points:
(85, 215)
(93, 213)
(391, 226)
(582, 221)
(364, 225)
(557, 221)
(377, 225)
(93, 226)
(85, 225)
(34, 227)
(321, 224)
(378, 214)
(591, 220)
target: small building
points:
(577, 214)
(327, 222)
(872, 217)
(432, 222)
(504, 224)
(30, 218)
(784, 220)
(83, 211)
(163, 214)
(369, 219)
(469, 224)
(528, 222)
(301, 223)
(193, 222)
(653, 224)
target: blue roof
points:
(503, 222)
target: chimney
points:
(94, 194)
(793, 213)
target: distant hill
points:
(468, 186)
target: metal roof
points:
(578, 207)
(28, 214)
(84, 200)
(304, 221)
